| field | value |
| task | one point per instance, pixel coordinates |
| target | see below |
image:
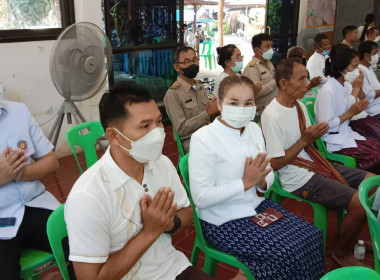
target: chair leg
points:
(320, 220)
(205, 62)
(210, 266)
(210, 62)
(195, 256)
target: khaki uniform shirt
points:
(258, 71)
(186, 106)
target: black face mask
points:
(191, 71)
(304, 61)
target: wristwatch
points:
(177, 225)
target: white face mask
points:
(351, 76)
(377, 39)
(268, 54)
(147, 148)
(238, 117)
(374, 59)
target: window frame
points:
(25, 35)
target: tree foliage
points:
(274, 16)
(30, 12)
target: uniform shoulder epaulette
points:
(175, 85)
(252, 63)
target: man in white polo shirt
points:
(121, 212)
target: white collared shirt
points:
(370, 85)
(316, 65)
(281, 131)
(102, 214)
(19, 130)
(333, 100)
(216, 164)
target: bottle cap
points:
(361, 242)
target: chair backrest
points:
(181, 153)
(352, 272)
(373, 223)
(309, 103)
(184, 169)
(56, 231)
(85, 141)
(207, 48)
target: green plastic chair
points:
(208, 54)
(352, 273)
(86, 141)
(373, 223)
(56, 231)
(33, 262)
(321, 146)
(181, 153)
(212, 255)
(320, 212)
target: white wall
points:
(25, 73)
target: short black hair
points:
(184, 25)
(366, 47)
(112, 104)
(257, 39)
(348, 29)
(284, 69)
(225, 53)
(318, 39)
(180, 50)
(340, 57)
(200, 25)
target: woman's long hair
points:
(368, 20)
(340, 57)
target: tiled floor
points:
(61, 182)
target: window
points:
(132, 23)
(32, 20)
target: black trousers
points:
(32, 234)
(191, 273)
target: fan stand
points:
(68, 107)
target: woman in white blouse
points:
(228, 165)
(337, 105)
(230, 58)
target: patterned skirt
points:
(288, 249)
(367, 154)
(367, 127)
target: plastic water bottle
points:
(359, 251)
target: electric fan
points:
(305, 39)
(79, 65)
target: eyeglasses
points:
(188, 62)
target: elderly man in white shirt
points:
(316, 63)
(122, 212)
(228, 165)
(371, 86)
(302, 169)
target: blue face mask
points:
(326, 52)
